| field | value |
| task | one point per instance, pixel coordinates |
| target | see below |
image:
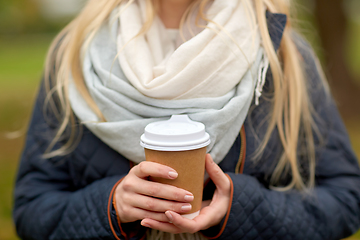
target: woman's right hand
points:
(137, 198)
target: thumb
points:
(216, 174)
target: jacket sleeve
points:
(330, 211)
(47, 204)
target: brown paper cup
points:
(179, 143)
(190, 165)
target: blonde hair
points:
(291, 107)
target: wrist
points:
(112, 213)
(129, 229)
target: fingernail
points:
(173, 174)
(186, 207)
(169, 216)
(189, 198)
(145, 224)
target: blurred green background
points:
(28, 26)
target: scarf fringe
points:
(263, 68)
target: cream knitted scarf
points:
(209, 64)
(210, 77)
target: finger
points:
(127, 212)
(186, 225)
(159, 225)
(139, 214)
(160, 205)
(146, 169)
(164, 191)
(206, 219)
(216, 174)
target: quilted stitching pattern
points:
(82, 218)
(258, 213)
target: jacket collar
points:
(276, 24)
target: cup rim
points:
(175, 148)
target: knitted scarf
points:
(211, 77)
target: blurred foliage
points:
(23, 17)
(25, 36)
(306, 24)
(21, 63)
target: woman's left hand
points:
(209, 216)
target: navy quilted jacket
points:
(70, 197)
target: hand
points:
(137, 198)
(210, 215)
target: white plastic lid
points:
(179, 133)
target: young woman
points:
(280, 162)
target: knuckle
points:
(174, 207)
(150, 204)
(142, 167)
(217, 171)
(146, 215)
(133, 170)
(126, 198)
(126, 185)
(176, 195)
(153, 190)
(125, 210)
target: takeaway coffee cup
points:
(179, 143)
